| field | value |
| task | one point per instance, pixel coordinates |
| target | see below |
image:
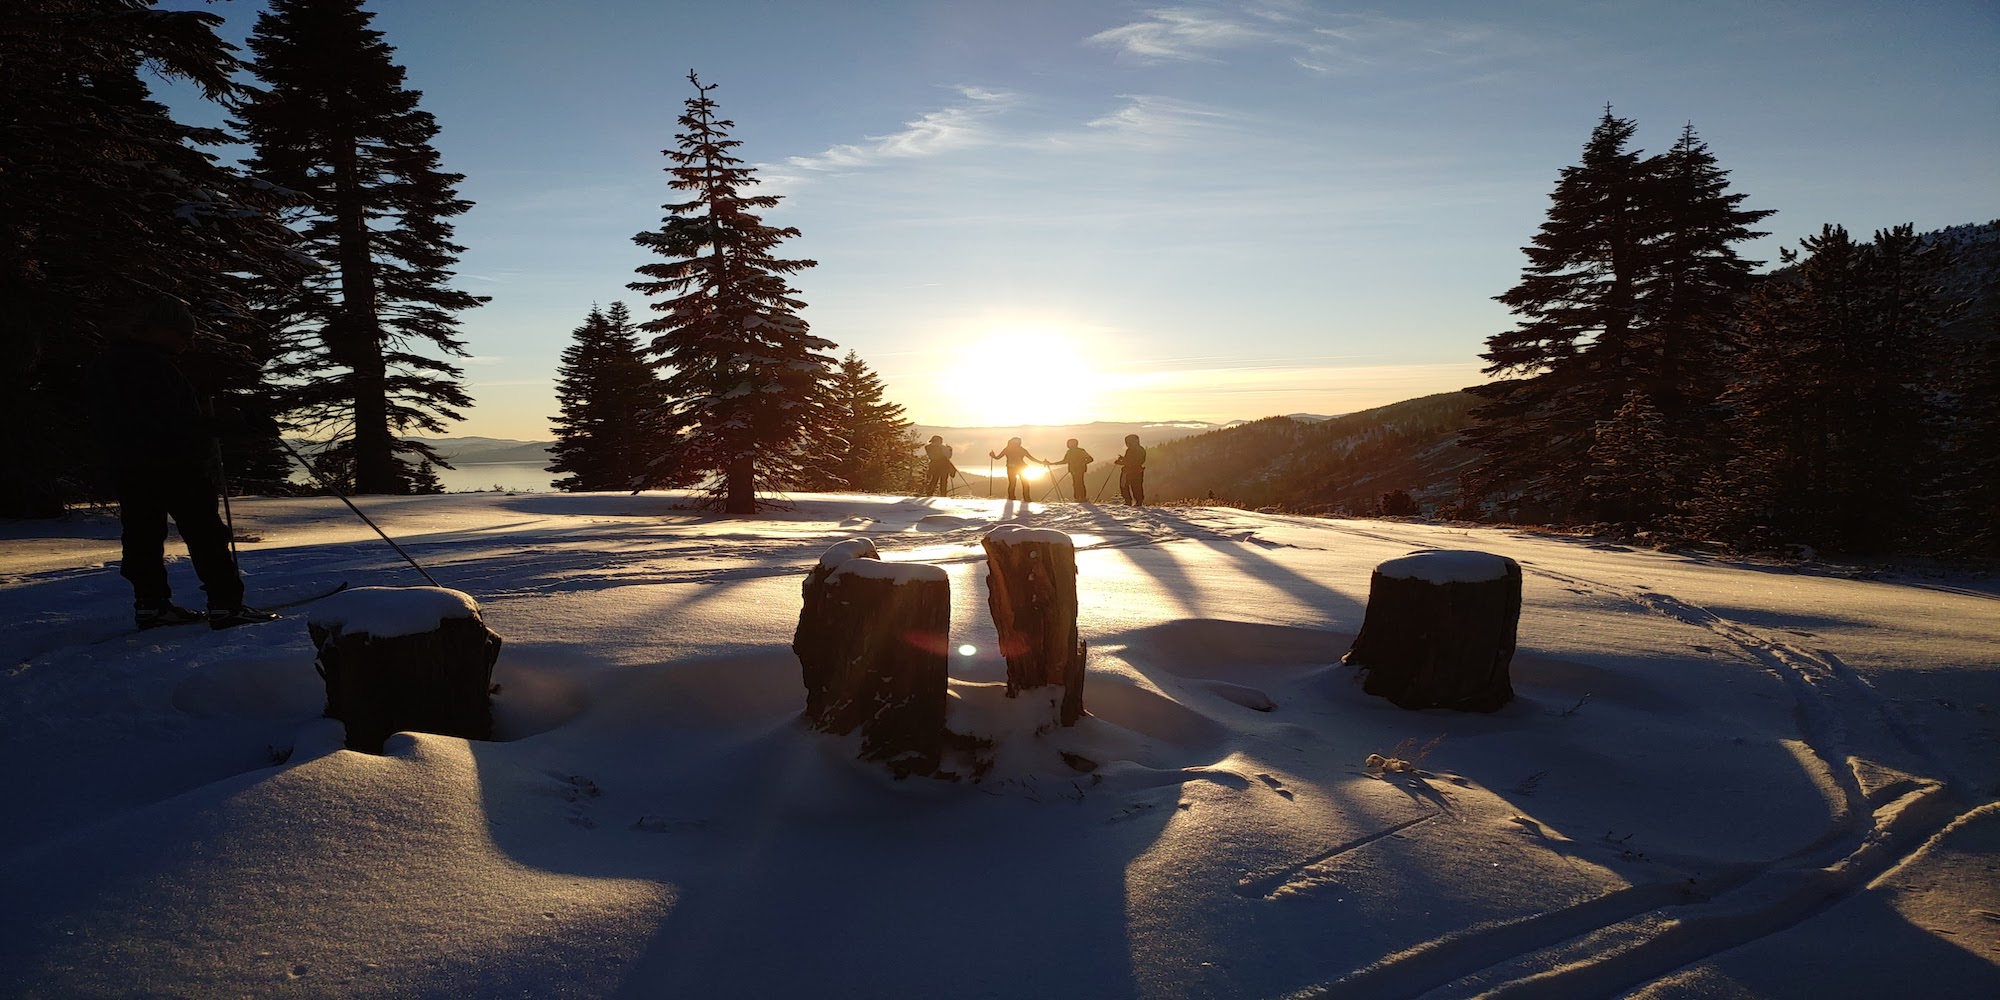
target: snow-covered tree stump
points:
(1031, 588)
(401, 659)
(872, 646)
(1440, 630)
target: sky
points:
(1055, 211)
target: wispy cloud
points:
(1156, 119)
(979, 122)
(1322, 41)
(964, 125)
(1181, 34)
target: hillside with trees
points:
(1342, 464)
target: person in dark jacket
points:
(1017, 466)
(156, 443)
(1132, 472)
(1078, 461)
(938, 469)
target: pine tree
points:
(1576, 297)
(1829, 414)
(1969, 486)
(1633, 467)
(106, 201)
(865, 444)
(335, 121)
(1629, 283)
(1691, 288)
(610, 429)
(743, 371)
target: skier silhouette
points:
(156, 441)
(938, 473)
(1078, 461)
(1132, 472)
(1017, 466)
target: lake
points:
(507, 476)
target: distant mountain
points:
(487, 451)
(1304, 418)
(1342, 463)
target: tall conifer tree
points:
(1630, 282)
(107, 202)
(743, 371)
(611, 426)
(335, 121)
(1576, 300)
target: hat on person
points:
(166, 312)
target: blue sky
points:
(1061, 210)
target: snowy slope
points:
(1718, 780)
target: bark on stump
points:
(872, 648)
(1440, 631)
(434, 681)
(1031, 589)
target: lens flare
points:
(967, 650)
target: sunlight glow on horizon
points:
(1007, 374)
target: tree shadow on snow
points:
(797, 869)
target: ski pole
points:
(1106, 484)
(357, 513)
(228, 516)
(989, 475)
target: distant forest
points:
(1849, 402)
(1653, 382)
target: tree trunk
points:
(740, 484)
(1439, 631)
(432, 682)
(375, 466)
(1031, 589)
(872, 648)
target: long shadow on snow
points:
(1259, 563)
(797, 869)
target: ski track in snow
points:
(1627, 938)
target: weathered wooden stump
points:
(404, 658)
(871, 643)
(1031, 589)
(1440, 630)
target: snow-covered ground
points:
(1718, 780)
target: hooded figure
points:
(938, 469)
(1132, 472)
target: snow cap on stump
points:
(1447, 566)
(384, 612)
(853, 548)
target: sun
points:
(1011, 376)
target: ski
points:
(280, 606)
(308, 599)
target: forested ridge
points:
(1412, 457)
